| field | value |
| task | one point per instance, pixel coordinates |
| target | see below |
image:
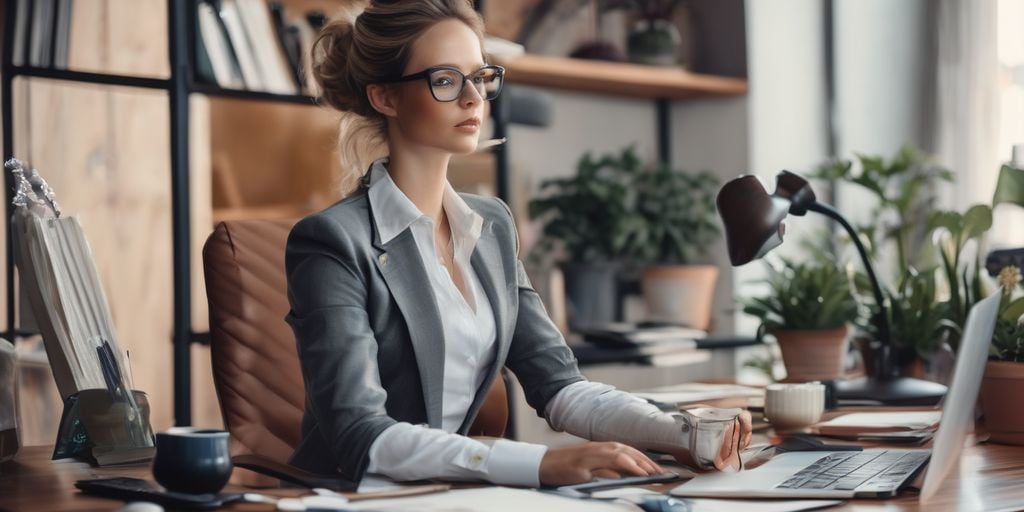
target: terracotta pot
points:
(1001, 390)
(680, 294)
(813, 355)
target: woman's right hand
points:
(584, 462)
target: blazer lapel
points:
(400, 263)
(487, 262)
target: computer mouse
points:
(141, 506)
(663, 504)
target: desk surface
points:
(990, 477)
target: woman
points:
(408, 298)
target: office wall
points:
(882, 96)
(884, 90)
(787, 112)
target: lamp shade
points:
(752, 218)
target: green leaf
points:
(1010, 187)
(976, 221)
(1013, 311)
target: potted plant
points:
(1003, 381)
(678, 210)
(902, 221)
(590, 222)
(807, 310)
(654, 39)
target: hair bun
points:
(331, 66)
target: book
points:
(22, 27)
(62, 34)
(239, 40)
(266, 48)
(215, 60)
(697, 392)
(291, 42)
(41, 40)
(625, 334)
(875, 422)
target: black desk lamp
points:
(754, 225)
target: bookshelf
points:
(179, 86)
(663, 85)
(618, 78)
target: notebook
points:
(873, 422)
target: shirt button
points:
(476, 460)
(383, 259)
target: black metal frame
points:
(180, 86)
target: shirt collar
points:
(394, 212)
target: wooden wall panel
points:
(274, 154)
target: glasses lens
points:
(446, 84)
(487, 82)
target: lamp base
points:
(894, 391)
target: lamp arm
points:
(882, 318)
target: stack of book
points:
(42, 31)
(103, 417)
(255, 45)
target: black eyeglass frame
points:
(425, 74)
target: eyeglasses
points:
(447, 83)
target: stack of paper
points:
(59, 277)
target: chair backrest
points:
(255, 364)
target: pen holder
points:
(101, 429)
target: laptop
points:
(871, 473)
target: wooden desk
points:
(990, 477)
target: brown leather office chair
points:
(255, 363)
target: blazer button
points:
(383, 259)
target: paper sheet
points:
(637, 494)
(490, 499)
(915, 420)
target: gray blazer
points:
(369, 332)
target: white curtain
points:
(967, 99)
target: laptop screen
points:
(958, 409)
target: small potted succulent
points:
(807, 310)
(591, 218)
(680, 225)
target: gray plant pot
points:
(591, 289)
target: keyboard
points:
(849, 470)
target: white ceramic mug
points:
(794, 405)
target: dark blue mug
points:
(192, 460)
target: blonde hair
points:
(364, 47)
